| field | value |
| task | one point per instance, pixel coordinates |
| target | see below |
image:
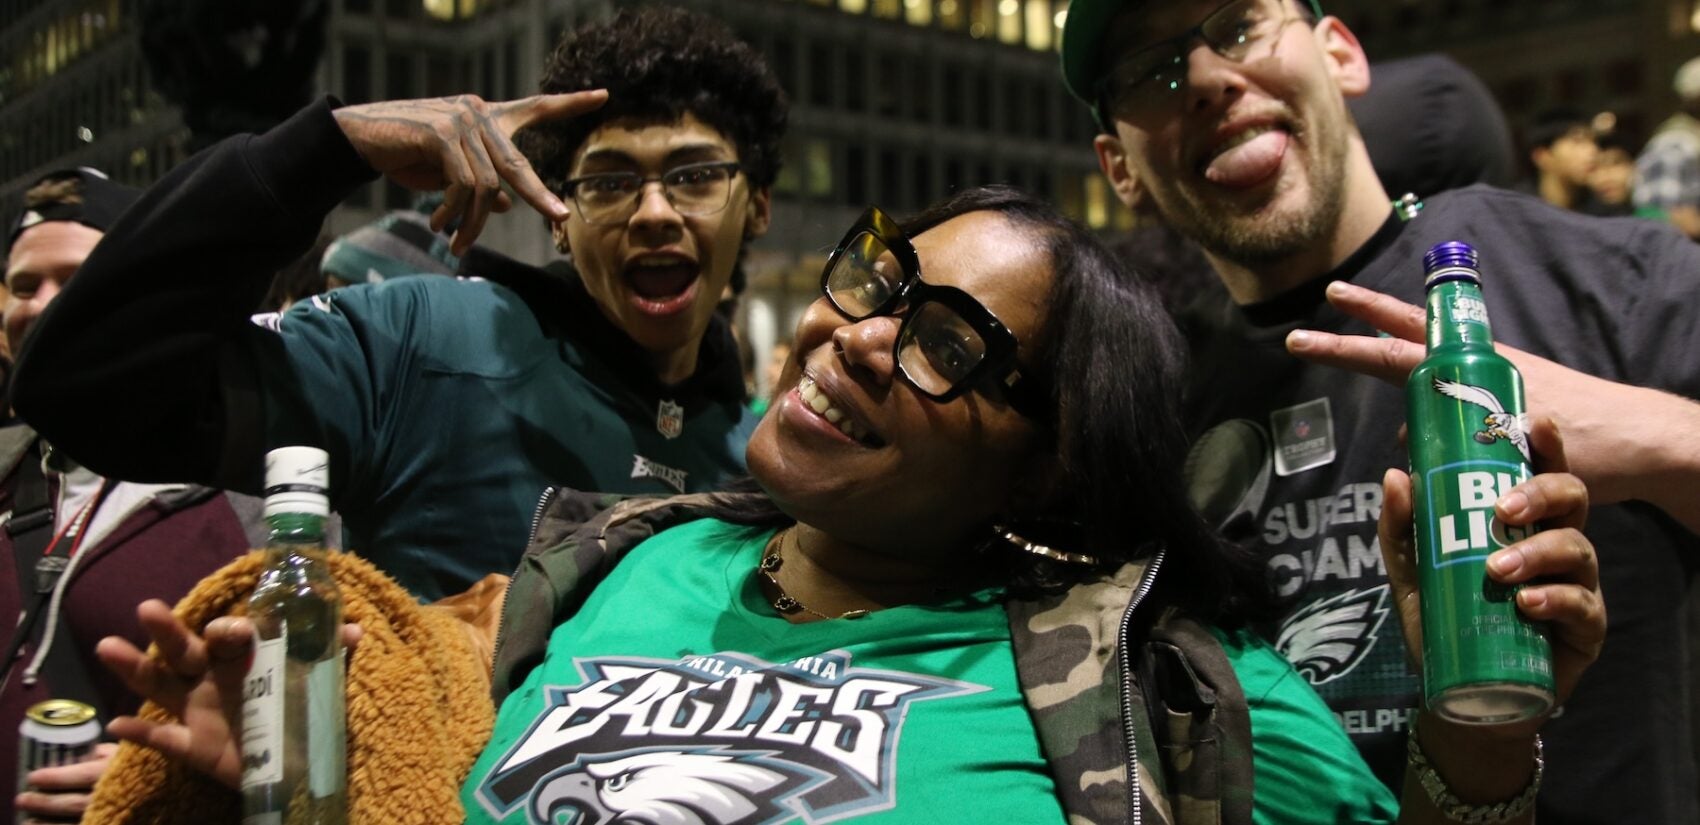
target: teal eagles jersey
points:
(447, 409)
(677, 694)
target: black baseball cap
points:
(102, 202)
(1083, 35)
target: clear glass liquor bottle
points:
(294, 764)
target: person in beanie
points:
(447, 405)
(1228, 122)
(79, 549)
(1667, 174)
(399, 244)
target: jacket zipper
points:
(502, 618)
(1145, 582)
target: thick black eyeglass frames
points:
(947, 342)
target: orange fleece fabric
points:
(419, 712)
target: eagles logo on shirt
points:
(717, 739)
(1327, 638)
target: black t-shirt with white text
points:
(1289, 457)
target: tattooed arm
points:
(462, 145)
(146, 368)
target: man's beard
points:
(1257, 239)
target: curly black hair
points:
(658, 64)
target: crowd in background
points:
(452, 385)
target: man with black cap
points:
(80, 551)
(1228, 122)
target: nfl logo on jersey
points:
(670, 419)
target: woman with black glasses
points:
(965, 584)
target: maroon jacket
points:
(174, 536)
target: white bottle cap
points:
(298, 480)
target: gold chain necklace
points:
(768, 567)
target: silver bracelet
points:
(1452, 807)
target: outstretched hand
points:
(196, 678)
(1557, 569)
(1624, 442)
(462, 145)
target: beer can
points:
(55, 732)
(1483, 662)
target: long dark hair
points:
(1113, 361)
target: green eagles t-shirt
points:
(1306, 769)
(677, 694)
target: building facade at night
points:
(895, 102)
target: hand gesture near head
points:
(464, 146)
(1625, 442)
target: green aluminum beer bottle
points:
(1483, 662)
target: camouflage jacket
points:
(1166, 708)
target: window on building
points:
(918, 12)
(489, 83)
(356, 74)
(886, 81)
(917, 85)
(817, 168)
(982, 17)
(888, 9)
(782, 58)
(891, 189)
(855, 175)
(1014, 103)
(853, 6)
(925, 191)
(856, 80)
(1009, 21)
(981, 82)
(1041, 113)
(789, 182)
(1070, 196)
(955, 95)
(953, 14)
(1097, 207)
(513, 85)
(823, 73)
(439, 76)
(400, 9)
(1039, 24)
(398, 76)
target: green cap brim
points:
(1084, 28)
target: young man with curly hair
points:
(446, 405)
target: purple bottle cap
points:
(1450, 253)
(1450, 261)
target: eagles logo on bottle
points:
(1483, 662)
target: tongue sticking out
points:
(661, 281)
(1249, 163)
